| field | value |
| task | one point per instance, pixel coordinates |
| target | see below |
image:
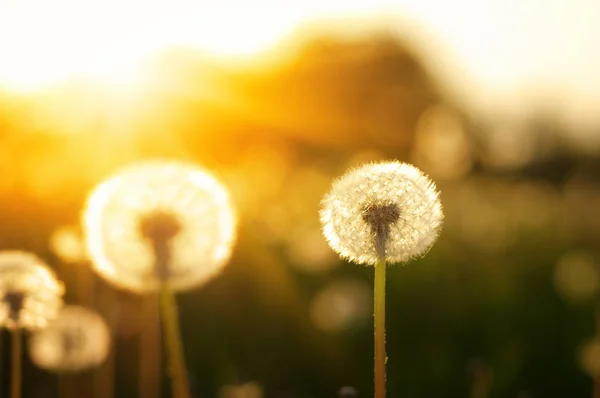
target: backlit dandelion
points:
(30, 296)
(161, 226)
(77, 339)
(381, 213)
(387, 209)
(159, 203)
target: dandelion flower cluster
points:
(75, 340)
(30, 294)
(386, 210)
(167, 213)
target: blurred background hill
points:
(503, 304)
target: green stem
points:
(174, 347)
(107, 303)
(15, 391)
(380, 356)
(150, 351)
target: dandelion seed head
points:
(77, 339)
(30, 294)
(385, 209)
(156, 209)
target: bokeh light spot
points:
(577, 277)
(341, 305)
(67, 244)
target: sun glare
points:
(46, 43)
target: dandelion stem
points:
(15, 391)
(174, 347)
(108, 305)
(380, 355)
(150, 375)
(160, 228)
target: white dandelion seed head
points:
(178, 202)
(30, 294)
(77, 339)
(388, 209)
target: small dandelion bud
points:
(30, 294)
(387, 210)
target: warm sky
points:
(502, 56)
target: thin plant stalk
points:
(104, 379)
(150, 352)
(15, 385)
(380, 355)
(160, 228)
(174, 347)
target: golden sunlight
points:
(43, 43)
(46, 43)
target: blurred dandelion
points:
(376, 214)
(30, 296)
(77, 339)
(161, 226)
(175, 202)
